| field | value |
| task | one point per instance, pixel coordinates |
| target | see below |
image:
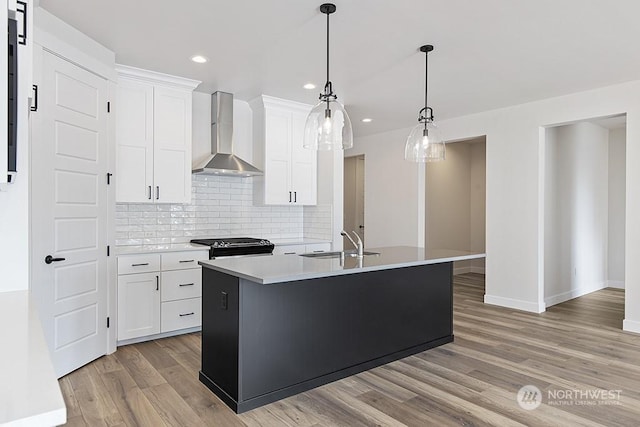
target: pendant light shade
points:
(328, 126)
(424, 143)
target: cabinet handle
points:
(139, 265)
(34, 107)
(149, 192)
(186, 284)
(317, 252)
(289, 253)
(157, 283)
(187, 314)
(22, 38)
(187, 260)
(157, 192)
(295, 197)
(289, 196)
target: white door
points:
(69, 212)
(172, 145)
(134, 146)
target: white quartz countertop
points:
(285, 268)
(146, 249)
(29, 390)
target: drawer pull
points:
(139, 265)
(187, 314)
(187, 260)
(289, 253)
(186, 284)
(317, 252)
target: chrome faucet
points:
(359, 246)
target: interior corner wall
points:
(617, 173)
(394, 209)
(478, 192)
(576, 211)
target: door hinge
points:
(107, 322)
(109, 175)
(108, 106)
(108, 250)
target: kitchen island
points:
(274, 326)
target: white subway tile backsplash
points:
(220, 207)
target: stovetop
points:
(231, 242)
(233, 246)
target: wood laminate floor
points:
(575, 347)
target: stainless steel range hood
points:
(222, 160)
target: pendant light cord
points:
(327, 48)
(426, 82)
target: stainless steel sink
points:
(350, 253)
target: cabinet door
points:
(134, 142)
(277, 182)
(172, 145)
(138, 305)
(304, 164)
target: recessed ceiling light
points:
(199, 59)
(367, 120)
(309, 86)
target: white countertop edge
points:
(51, 418)
(148, 249)
(317, 275)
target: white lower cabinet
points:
(159, 293)
(294, 249)
(138, 305)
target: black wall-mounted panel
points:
(12, 98)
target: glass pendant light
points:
(328, 126)
(424, 143)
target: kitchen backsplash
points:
(220, 207)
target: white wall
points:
(617, 172)
(576, 211)
(515, 189)
(14, 218)
(393, 191)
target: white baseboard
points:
(631, 326)
(573, 293)
(158, 336)
(529, 306)
(477, 270)
(461, 270)
(618, 284)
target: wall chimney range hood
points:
(222, 160)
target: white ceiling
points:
(488, 53)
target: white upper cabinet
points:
(153, 134)
(290, 171)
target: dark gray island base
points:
(265, 342)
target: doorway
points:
(455, 202)
(354, 197)
(584, 208)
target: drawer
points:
(181, 284)
(186, 313)
(182, 260)
(144, 263)
(288, 249)
(317, 247)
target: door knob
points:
(49, 259)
